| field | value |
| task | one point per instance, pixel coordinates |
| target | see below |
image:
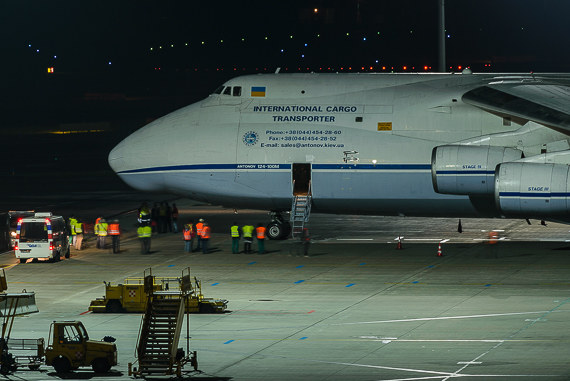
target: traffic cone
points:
(439, 253)
(399, 245)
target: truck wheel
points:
(114, 306)
(23, 260)
(61, 365)
(100, 365)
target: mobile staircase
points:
(300, 210)
(157, 349)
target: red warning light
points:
(50, 70)
(405, 68)
(425, 67)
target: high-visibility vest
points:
(260, 232)
(247, 231)
(235, 231)
(79, 228)
(96, 228)
(187, 234)
(144, 231)
(199, 227)
(114, 229)
(103, 228)
(206, 232)
(72, 224)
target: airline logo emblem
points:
(250, 138)
(258, 91)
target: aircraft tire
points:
(277, 230)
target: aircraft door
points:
(301, 174)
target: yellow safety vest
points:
(103, 227)
(144, 231)
(247, 231)
(235, 231)
(79, 228)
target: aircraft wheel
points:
(61, 365)
(278, 230)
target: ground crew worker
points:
(79, 233)
(206, 235)
(73, 236)
(247, 231)
(103, 232)
(189, 234)
(115, 233)
(174, 216)
(199, 227)
(96, 228)
(144, 232)
(260, 231)
(234, 230)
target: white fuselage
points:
(366, 139)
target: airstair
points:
(300, 211)
(157, 350)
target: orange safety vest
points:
(187, 234)
(114, 229)
(199, 227)
(206, 232)
(260, 232)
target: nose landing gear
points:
(278, 228)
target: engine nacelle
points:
(532, 190)
(468, 170)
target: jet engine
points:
(533, 190)
(468, 170)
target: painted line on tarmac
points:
(444, 318)
(84, 313)
(215, 284)
(355, 239)
(229, 341)
(299, 281)
(350, 285)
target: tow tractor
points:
(130, 296)
(71, 348)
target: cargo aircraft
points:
(445, 145)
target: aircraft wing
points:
(544, 102)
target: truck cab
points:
(69, 348)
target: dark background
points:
(120, 64)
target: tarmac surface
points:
(355, 309)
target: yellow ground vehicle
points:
(70, 348)
(130, 296)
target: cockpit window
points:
(228, 90)
(237, 91)
(218, 90)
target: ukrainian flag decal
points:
(258, 91)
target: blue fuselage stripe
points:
(466, 172)
(521, 194)
(174, 168)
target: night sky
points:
(178, 51)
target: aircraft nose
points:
(115, 158)
(131, 160)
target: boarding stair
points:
(157, 350)
(300, 211)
